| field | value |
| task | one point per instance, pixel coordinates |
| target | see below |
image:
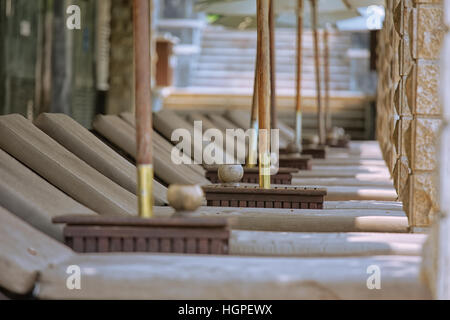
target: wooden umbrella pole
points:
(264, 92)
(298, 101)
(141, 24)
(273, 74)
(320, 124)
(326, 50)
(252, 155)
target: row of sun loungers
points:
(55, 167)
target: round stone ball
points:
(293, 148)
(313, 140)
(185, 197)
(230, 173)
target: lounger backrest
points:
(226, 125)
(85, 145)
(25, 142)
(24, 251)
(123, 135)
(239, 117)
(197, 116)
(242, 119)
(161, 142)
(32, 198)
(167, 121)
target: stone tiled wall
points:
(409, 108)
(437, 251)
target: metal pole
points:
(320, 124)
(298, 102)
(252, 156)
(327, 79)
(273, 73)
(142, 55)
(264, 92)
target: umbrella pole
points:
(273, 74)
(320, 124)
(298, 102)
(327, 79)
(264, 92)
(252, 155)
(141, 26)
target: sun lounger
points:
(94, 152)
(24, 252)
(121, 134)
(186, 277)
(300, 244)
(40, 263)
(161, 142)
(25, 142)
(32, 198)
(167, 121)
(241, 119)
(354, 217)
(191, 117)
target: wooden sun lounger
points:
(363, 150)
(191, 117)
(366, 204)
(340, 162)
(342, 219)
(130, 138)
(166, 121)
(42, 220)
(40, 263)
(376, 182)
(32, 198)
(51, 202)
(241, 119)
(224, 125)
(24, 252)
(121, 134)
(351, 189)
(354, 189)
(94, 152)
(299, 244)
(236, 278)
(161, 142)
(25, 142)
(349, 213)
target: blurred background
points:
(203, 60)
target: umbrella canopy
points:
(284, 20)
(241, 14)
(248, 7)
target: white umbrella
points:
(248, 7)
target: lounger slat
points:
(123, 135)
(85, 145)
(25, 142)
(33, 199)
(166, 121)
(236, 278)
(24, 251)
